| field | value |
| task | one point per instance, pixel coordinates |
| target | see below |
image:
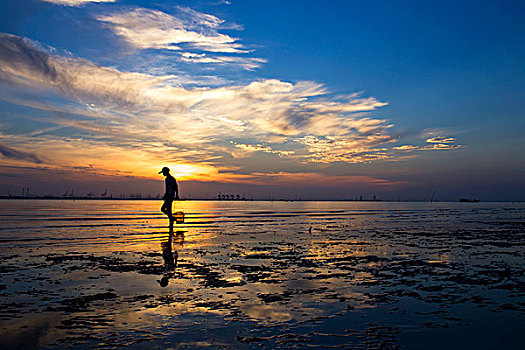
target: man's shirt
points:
(171, 185)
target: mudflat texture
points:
(359, 275)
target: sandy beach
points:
(359, 275)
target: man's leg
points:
(166, 208)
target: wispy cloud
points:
(75, 2)
(441, 139)
(308, 178)
(147, 28)
(198, 19)
(12, 153)
(441, 147)
(434, 143)
(247, 63)
(244, 150)
(25, 63)
(441, 143)
(353, 148)
(406, 148)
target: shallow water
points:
(357, 275)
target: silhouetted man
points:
(172, 192)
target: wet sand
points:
(88, 274)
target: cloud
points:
(436, 143)
(152, 29)
(441, 147)
(246, 150)
(247, 63)
(441, 143)
(25, 63)
(12, 153)
(354, 148)
(284, 178)
(75, 2)
(405, 148)
(151, 119)
(199, 18)
(441, 139)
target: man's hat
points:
(164, 169)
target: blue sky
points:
(312, 99)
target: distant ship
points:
(467, 200)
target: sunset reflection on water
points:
(250, 274)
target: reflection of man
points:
(172, 192)
(170, 262)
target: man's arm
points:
(165, 190)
